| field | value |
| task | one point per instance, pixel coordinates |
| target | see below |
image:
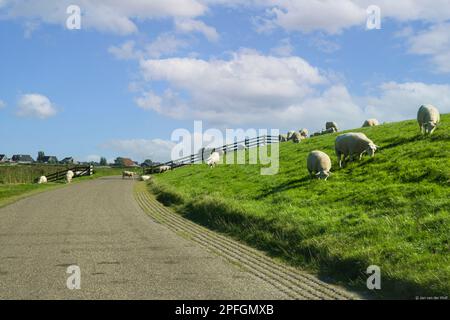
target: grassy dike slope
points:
(392, 211)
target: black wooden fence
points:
(79, 171)
(200, 157)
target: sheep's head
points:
(323, 175)
(371, 149)
(430, 126)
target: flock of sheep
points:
(356, 144)
(348, 146)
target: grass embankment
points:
(391, 210)
(11, 192)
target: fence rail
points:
(200, 157)
(79, 171)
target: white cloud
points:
(247, 83)
(433, 42)
(2, 104)
(126, 51)
(35, 106)
(141, 149)
(191, 25)
(333, 17)
(280, 92)
(284, 49)
(400, 101)
(114, 16)
(163, 45)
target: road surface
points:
(127, 246)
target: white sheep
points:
(127, 174)
(353, 144)
(428, 117)
(213, 159)
(289, 135)
(283, 137)
(304, 132)
(145, 178)
(328, 131)
(162, 169)
(319, 164)
(297, 137)
(42, 180)
(69, 176)
(371, 123)
(331, 124)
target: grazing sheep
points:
(127, 174)
(353, 144)
(370, 123)
(304, 132)
(145, 178)
(328, 131)
(289, 135)
(283, 137)
(319, 164)
(213, 159)
(42, 180)
(331, 124)
(297, 137)
(162, 169)
(428, 118)
(69, 176)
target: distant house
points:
(3, 158)
(125, 162)
(50, 159)
(68, 160)
(22, 158)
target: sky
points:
(137, 70)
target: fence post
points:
(246, 143)
(203, 154)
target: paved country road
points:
(129, 247)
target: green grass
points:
(391, 210)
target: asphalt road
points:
(121, 251)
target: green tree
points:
(40, 157)
(103, 161)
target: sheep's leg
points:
(339, 158)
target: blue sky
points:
(138, 70)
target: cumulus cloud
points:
(399, 101)
(278, 92)
(114, 16)
(333, 17)
(433, 42)
(141, 149)
(35, 106)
